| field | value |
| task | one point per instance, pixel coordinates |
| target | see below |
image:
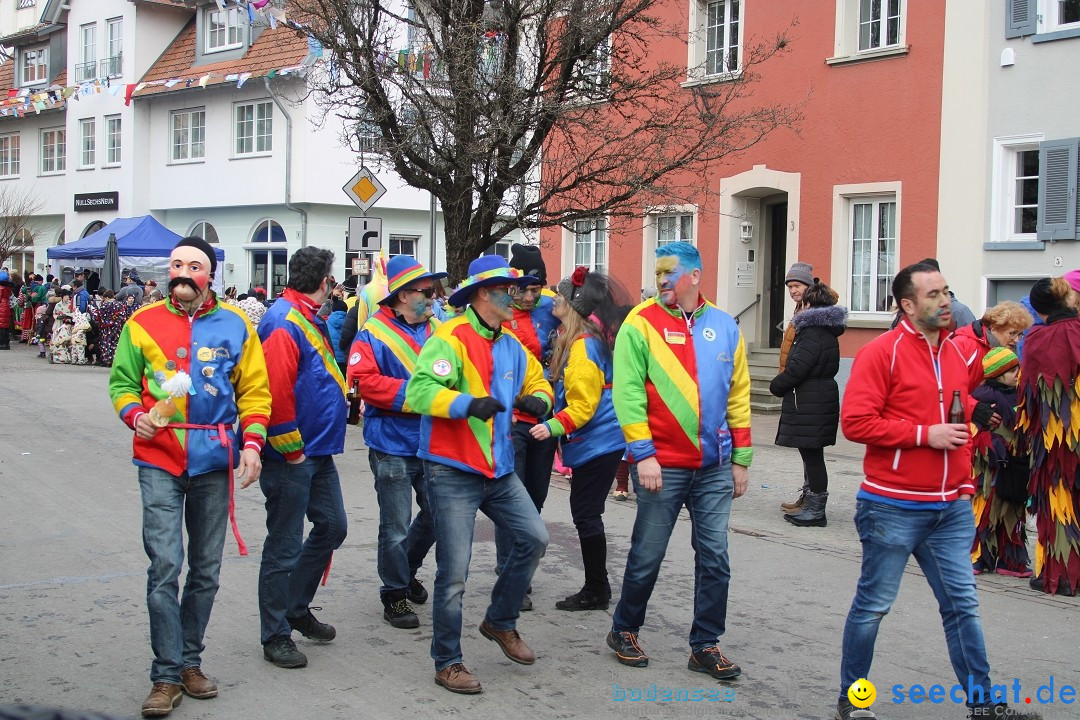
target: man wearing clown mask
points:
(186, 371)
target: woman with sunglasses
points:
(592, 440)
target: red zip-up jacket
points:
(900, 385)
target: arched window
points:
(204, 230)
(269, 268)
(22, 252)
(92, 228)
(60, 240)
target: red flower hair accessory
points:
(578, 278)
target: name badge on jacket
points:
(674, 338)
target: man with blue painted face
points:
(682, 395)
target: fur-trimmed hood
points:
(833, 317)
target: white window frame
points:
(114, 47)
(885, 19)
(1004, 184)
(400, 240)
(844, 197)
(228, 35)
(876, 205)
(87, 143)
(41, 67)
(189, 144)
(10, 151)
(702, 34)
(501, 248)
(114, 136)
(586, 232)
(55, 140)
(848, 25)
(1048, 15)
(596, 71)
(261, 143)
(87, 67)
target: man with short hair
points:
(381, 361)
(468, 378)
(184, 372)
(682, 395)
(80, 295)
(132, 290)
(307, 428)
(916, 498)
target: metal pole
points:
(431, 235)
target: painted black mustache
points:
(177, 282)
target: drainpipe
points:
(288, 165)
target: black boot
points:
(812, 513)
(596, 593)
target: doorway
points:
(777, 215)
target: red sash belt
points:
(223, 438)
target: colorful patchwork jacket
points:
(463, 360)
(584, 413)
(682, 386)
(383, 358)
(309, 392)
(219, 349)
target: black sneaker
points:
(846, 711)
(282, 652)
(584, 599)
(311, 628)
(416, 593)
(400, 614)
(627, 650)
(711, 660)
(1001, 711)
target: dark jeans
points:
(532, 464)
(814, 469)
(291, 566)
(404, 541)
(170, 504)
(589, 490)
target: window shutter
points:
(1058, 210)
(1020, 16)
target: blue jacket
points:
(309, 409)
(82, 299)
(584, 412)
(334, 324)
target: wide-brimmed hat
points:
(401, 270)
(485, 271)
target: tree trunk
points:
(459, 252)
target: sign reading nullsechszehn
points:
(97, 201)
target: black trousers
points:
(814, 465)
(589, 488)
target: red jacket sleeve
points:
(864, 402)
(376, 388)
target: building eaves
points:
(32, 34)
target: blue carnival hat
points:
(401, 270)
(485, 271)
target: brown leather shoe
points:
(511, 643)
(162, 699)
(196, 684)
(456, 678)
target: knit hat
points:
(529, 260)
(1042, 298)
(800, 272)
(583, 291)
(202, 246)
(485, 271)
(1073, 278)
(999, 361)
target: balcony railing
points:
(112, 66)
(85, 71)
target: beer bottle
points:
(956, 409)
(354, 403)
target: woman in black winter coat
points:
(811, 410)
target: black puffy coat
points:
(811, 408)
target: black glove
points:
(531, 405)
(982, 413)
(484, 407)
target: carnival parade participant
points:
(682, 395)
(184, 373)
(307, 429)
(585, 424)
(381, 360)
(469, 377)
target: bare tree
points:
(18, 205)
(524, 114)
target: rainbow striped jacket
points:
(219, 349)
(464, 360)
(682, 386)
(585, 420)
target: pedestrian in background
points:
(6, 314)
(800, 276)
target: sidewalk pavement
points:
(74, 633)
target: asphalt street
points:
(74, 632)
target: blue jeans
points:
(532, 464)
(454, 496)
(291, 566)
(941, 541)
(707, 494)
(170, 503)
(402, 544)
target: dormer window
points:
(35, 65)
(223, 30)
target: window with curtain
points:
(874, 253)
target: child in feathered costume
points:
(1001, 475)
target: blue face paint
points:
(502, 299)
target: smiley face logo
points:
(862, 693)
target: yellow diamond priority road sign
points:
(364, 189)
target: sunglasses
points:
(511, 290)
(428, 292)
